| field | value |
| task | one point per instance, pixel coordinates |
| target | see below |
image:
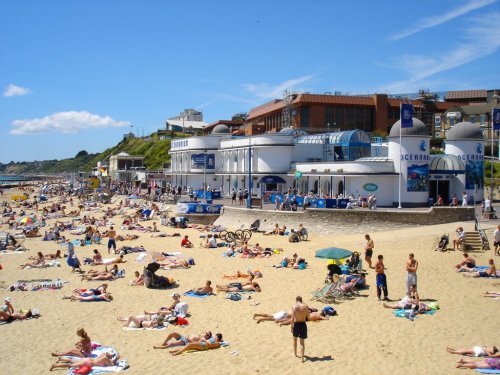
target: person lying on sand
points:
(492, 294)
(91, 292)
(277, 317)
(145, 321)
(255, 274)
(487, 363)
(204, 290)
(477, 351)
(8, 315)
(104, 275)
(57, 255)
(83, 348)
(176, 339)
(175, 263)
(248, 286)
(107, 297)
(212, 343)
(491, 271)
(103, 360)
(38, 263)
(313, 317)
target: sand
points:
(364, 338)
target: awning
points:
(272, 180)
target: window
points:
(472, 118)
(482, 119)
(339, 117)
(304, 117)
(368, 119)
(329, 115)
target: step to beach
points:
(473, 241)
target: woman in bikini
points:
(101, 297)
(83, 347)
(212, 343)
(37, 263)
(477, 351)
(103, 360)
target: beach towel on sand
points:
(410, 314)
(487, 371)
(121, 364)
(191, 294)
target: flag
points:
(406, 115)
(496, 118)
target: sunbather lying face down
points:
(249, 286)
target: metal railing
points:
(482, 233)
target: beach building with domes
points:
(336, 163)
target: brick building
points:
(316, 113)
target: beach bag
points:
(330, 311)
(83, 370)
(191, 261)
(234, 296)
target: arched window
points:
(340, 189)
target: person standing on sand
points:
(496, 239)
(381, 278)
(111, 241)
(369, 250)
(300, 314)
(411, 276)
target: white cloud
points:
(436, 20)
(65, 122)
(267, 91)
(481, 39)
(13, 90)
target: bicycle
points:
(238, 237)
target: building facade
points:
(400, 171)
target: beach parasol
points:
(27, 220)
(333, 253)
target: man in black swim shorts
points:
(300, 314)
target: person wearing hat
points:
(7, 313)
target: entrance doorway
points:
(340, 189)
(442, 188)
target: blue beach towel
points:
(191, 294)
(410, 314)
(487, 371)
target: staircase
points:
(473, 241)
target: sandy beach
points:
(364, 338)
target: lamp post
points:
(205, 175)
(250, 182)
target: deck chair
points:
(325, 293)
(345, 290)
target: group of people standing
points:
(381, 278)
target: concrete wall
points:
(336, 221)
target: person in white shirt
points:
(496, 240)
(465, 198)
(211, 242)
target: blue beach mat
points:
(487, 371)
(410, 314)
(191, 294)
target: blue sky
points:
(75, 75)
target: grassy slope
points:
(154, 150)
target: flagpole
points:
(491, 160)
(400, 153)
